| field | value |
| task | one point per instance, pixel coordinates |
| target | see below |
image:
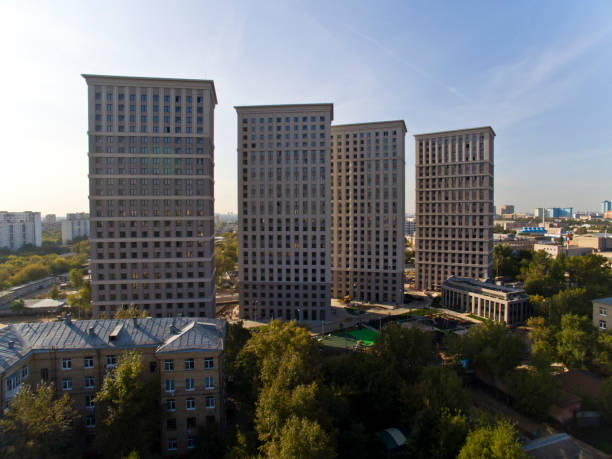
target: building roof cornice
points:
(389, 123)
(457, 132)
(286, 108)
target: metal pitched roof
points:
(18, 340)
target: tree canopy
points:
(498, 441)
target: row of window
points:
(190, 384)
(144, 97)
(287, 119)
(166, 130)
(190, 403)
(189, 364)
(145, 140)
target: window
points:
(67, 383)
(171, 404)
(189, 364)
(168, 365)
(90, 420)
(169, 385)
(191, 443)
(209, 382)
(191, 423)
(67, 364)
(89, 401)
(603, 325)
(111, 361)
(208, 363)
(88, 362)
(89, 382)
(171, 424)
(210, 401)
(171, 444)
(25, 371)
(190, 404)
(189, 384)
(603, 312)
(44, 374)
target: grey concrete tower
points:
(454, 205)
(151, 157)
(368, 211)
(284, 211)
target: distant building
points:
(454, 205)
(186, 354)
(75, 226)
(485, 299)
(554, 249)
(49, 223)
(559, 212)
(20, 228)
(602, 312)
(600, 242)
(539, 212)
(506, 210)
(608, 215)
(515, 243)
(606, 206)
(506, 224)
(409, 226)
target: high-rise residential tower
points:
(284, 211)
(151, 154)
(19, 228)
(454, 205)
(367, 196)
(606, 206)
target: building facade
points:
(484, 299)
(20, 228)
(506, 210)
(186, 354)
(151, 156)
(284, 211)
(367, 211)
(454, 206)
(75, 226)
(602, 309)
(410, 226)
(606, 206)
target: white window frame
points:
(603, 325)
(25, 372)
(603, 311)
(172, 441)
(190, 384)
(209, 363)
(168, 365)
(190, 403)
(169, 385)
(65, 386)
(89, 402)
(66, 363)
(93, 382)
(89, 424)
(111, 361)
(212, 382)
(210, 398)
(189, 364)
(88, 362)
(171, 401)
(191, 442)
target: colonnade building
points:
(284, 211)
(151, 156)
(490, 301)
(367, 211)
(454, 206)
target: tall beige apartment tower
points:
(454, 205)
(367, 211)
(151, 156)
(284, 211)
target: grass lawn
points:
(482, 319)
(423, 311)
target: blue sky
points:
(540, 73)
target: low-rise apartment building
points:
(484, 299)
(187, 354)
(602, 312)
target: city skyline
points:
(457, 65)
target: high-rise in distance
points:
(367, 211)
(454, 205)
(284, 211)
(151, 156)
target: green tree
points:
(76, 278)
(441, 389)
(499, 441)
(130, 312)
(490, 347)
(576, 341)
(504, 262)
(17, 305)
(543, 337)
(37, 425)
(81, 300)
(543, 275)
(404, 350)
(54, 292)
(129, 408)
(59, 266)
(533, 390)
(604, 351)
(301, 439)
(605, 400)
(569, 301)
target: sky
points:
(539, 73)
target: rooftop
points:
(604, 300)
(370, 124)
(457, 131)
(168, 334)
